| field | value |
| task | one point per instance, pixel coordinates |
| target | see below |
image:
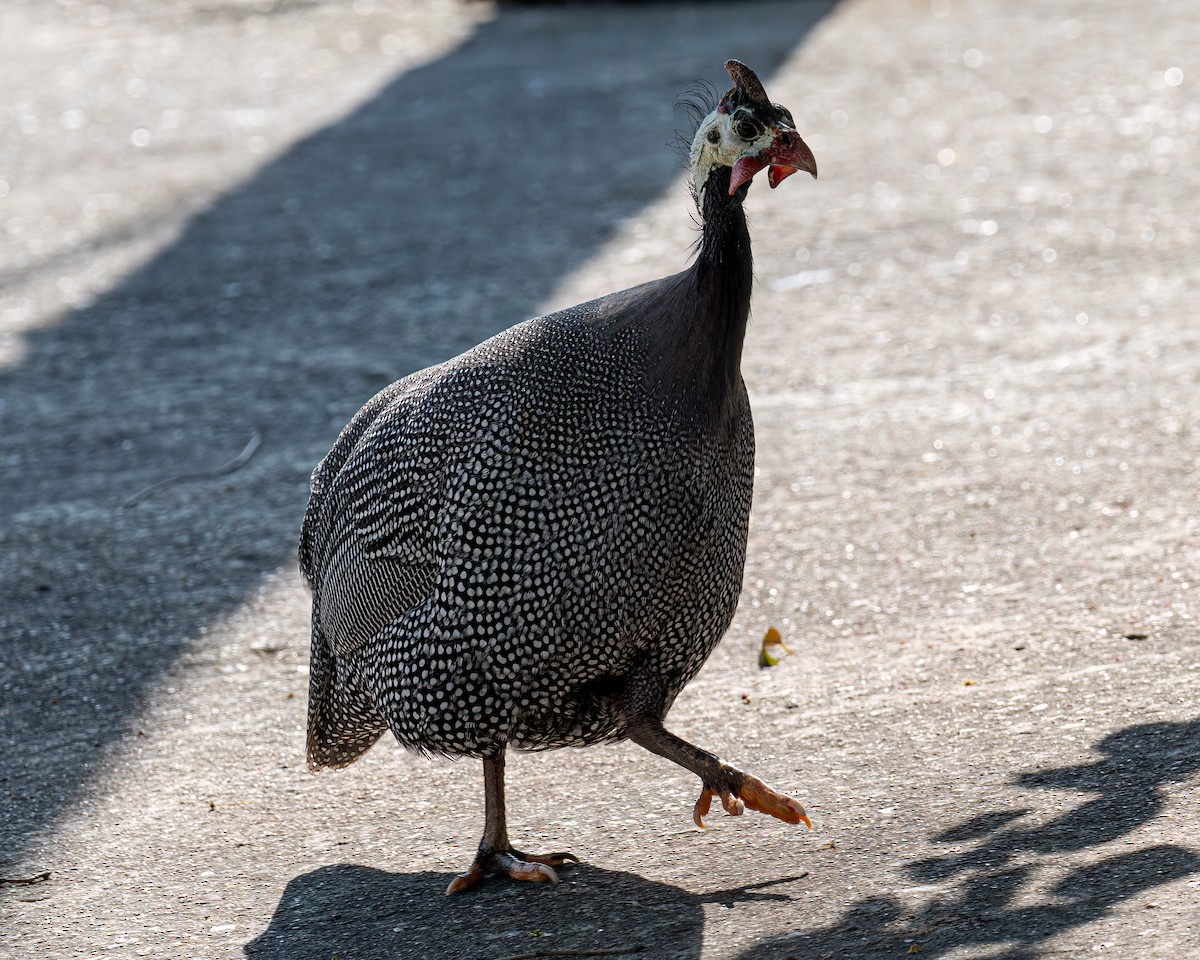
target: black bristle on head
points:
(695, 101)
(698, 99)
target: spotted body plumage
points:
(504, 546)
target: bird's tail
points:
(343, 722)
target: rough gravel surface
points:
(973, 361)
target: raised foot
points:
(757, 796)
(533, 867)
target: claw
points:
(465, 881)
(703, 805)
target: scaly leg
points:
(495, 854)
(736, 789)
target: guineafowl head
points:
(747, 133)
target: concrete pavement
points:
(973, 362)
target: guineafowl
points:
(538, 543)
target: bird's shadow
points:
(363, 913)
(1003, 889)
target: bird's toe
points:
(730, 801)
(753, 795)
(465, 881)
(531, 870)
(530, 867)
(758, 796)
(549, 859)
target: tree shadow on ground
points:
(353, 259)
(362, 913)
(1009, 894)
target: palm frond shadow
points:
(1009, 892)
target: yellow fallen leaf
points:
(769, 654)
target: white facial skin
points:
(722, 140)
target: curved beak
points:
(786, 155)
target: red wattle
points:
(743, 170)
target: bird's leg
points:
(736, 789)
(495, 854)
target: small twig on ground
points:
(36, 878)
(597, 952)
(235, 464)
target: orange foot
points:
(534, 867)
(757, 796)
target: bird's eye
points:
(713, 136)
(748, 130)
